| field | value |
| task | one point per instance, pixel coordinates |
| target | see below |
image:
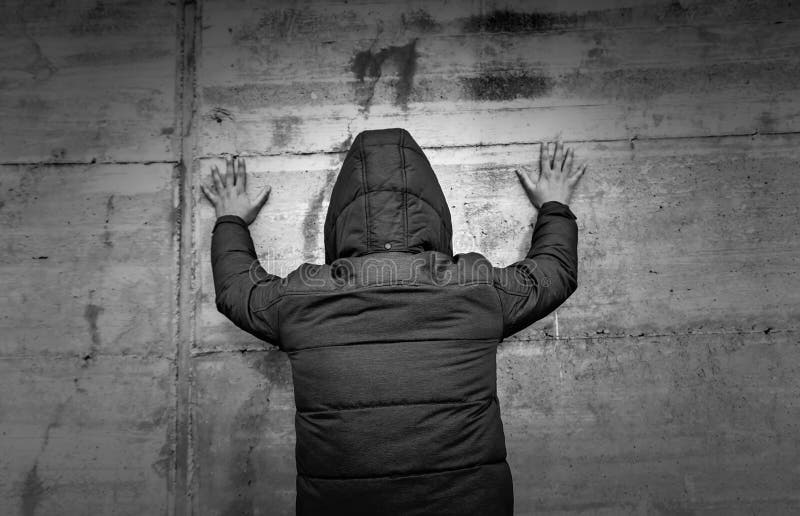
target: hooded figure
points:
(392, 341)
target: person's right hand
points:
(555, 181)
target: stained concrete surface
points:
(667, 384)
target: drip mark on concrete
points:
(313, 216)
(32, 491)
(506, 86)
(419, 19)
(91, 314)
(109, 212)
(365, 64)
(284, 129)
(251, 422)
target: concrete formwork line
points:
(521, 142)
(599, 336)
(187, 35)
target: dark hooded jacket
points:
(392, 341)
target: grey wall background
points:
(668, 384)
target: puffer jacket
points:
(392, 341)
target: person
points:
(392, 341)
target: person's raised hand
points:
(555, 180)
(228, 193)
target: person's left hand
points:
(228, 193)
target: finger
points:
(230, 178)
(219, 184)
(212, 197)
(263, 196)
(544, 157)
(241, 179)
(558, 156)
(577, 175)
(567, 167)
(527, 182)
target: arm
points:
(245, 292)
(533, 287)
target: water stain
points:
(249, 424)
(284, 129)
(106, 231)
(54, 423)
(369, 65)
(147, 106)
(766, 122)
(311, 221)
(506, 20)
(34, 104)
(419, 19)
(39, 66)
(506, 86)
(164, 462)
(274, 366)
(278, 24)
(596, 53)
(674, 11)
(104, 17)
(156, 420)
(32, 491)
(91, 313)
(657, 119)
(345, 145)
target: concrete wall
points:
(668, 384)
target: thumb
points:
(525, 179)
(263, 196)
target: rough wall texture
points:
(668, 384)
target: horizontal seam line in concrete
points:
(565, 30)
(68, 163)
(530, 142)
(600, 336)
(269, 348)
(81, 356)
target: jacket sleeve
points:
(245, 293)
(533, 287)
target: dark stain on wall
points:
(104, 17)
(369, 65)
(512, 21)
(311, 221)
(420, 20)
(245, 437)
(284, 129)
(91, 313)
(506, 20)
(345, 145)
(251, 420)
(506, 86)
(766, 122)
(109, 212)
(674, 11)
(32, 491)
(274, 366)
(278, 24)
(162, 466)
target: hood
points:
(386, 198)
